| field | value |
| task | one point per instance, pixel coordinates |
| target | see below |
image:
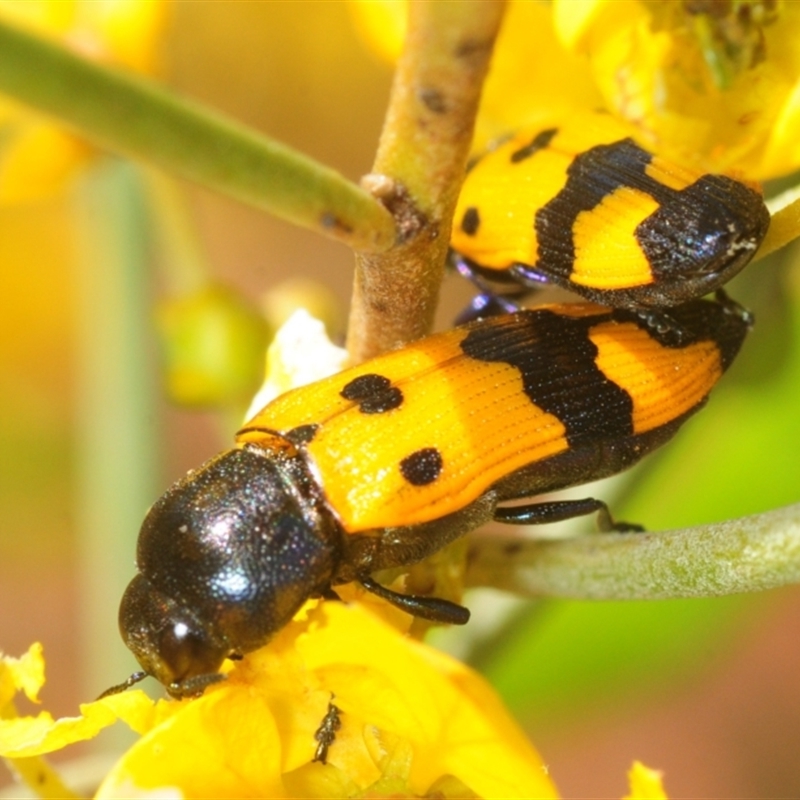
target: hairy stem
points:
(741, 555)
(419, 168)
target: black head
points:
(169, 641)
(226, 557)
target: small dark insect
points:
(326, 733)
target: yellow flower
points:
(714, 85)
(520, 89)
(37, 158)
(413, 722)
(645, 783)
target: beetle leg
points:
(559, 510)
(661, 322)
(330, 594)
(488, 302)
(431, 608)
(485, 305)
(530, 276)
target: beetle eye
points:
(187, 652)
(177, 646)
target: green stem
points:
(137, 117)
(119, 438)
(742, 555)
(183, 265)
(419, 168)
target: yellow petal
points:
(135, 709)
(658, 65)
(33, 736)
(411, 719)
(533, 78)
(645, 783)
(224, 744)
(782, 150)
(382, 25)
(573, 20)
(23, 674)
(37, 159)
(24, 737)
(453, 720)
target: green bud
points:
(213, 344)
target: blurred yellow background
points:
(727, 726)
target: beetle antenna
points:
(121, 687)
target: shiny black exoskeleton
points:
(225, 558)
(229, 554)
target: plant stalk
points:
(741, 555)
(136, 117)
(419, 168)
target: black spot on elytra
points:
(539, 142)
(373, 393)
(471, 221)
(422, 467)
(365, 386)
(302, 434)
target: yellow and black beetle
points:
(584, 207)
(385, 463)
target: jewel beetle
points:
(582, 206)
(383, 464)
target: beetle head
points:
(226, 558)
(169, 642)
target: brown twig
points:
(419, 167)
